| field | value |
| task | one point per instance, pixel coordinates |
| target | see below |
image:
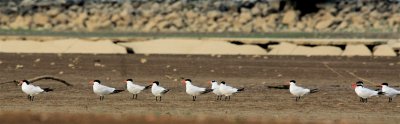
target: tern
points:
(134, 88)
(365, 93)
(193, 90)
(298, 91)
(215, 88)
(102, 90)
(227, 91)
(390, 92)
(32, 90)
(157, 90)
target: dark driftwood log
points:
(279, 87)
(38, 78)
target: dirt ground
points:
(335, 103)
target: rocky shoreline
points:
(200, 16)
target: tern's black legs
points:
(364, 100)
(101, 98)
(227, 98)
(298, 98)
(30, 98)
(390, 99)
(134, 96)
(219, 97)
(157, 97)
(194, 98)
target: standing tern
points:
(365, 93)
(157, 90)
(193, 90)
(298, 91)
(102, 90)
(32, 90)
(227, 91)
(215, 88)
(134, 88)
(390, 92)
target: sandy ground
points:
(335, 103)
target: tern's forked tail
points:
(117, 91)
(47, 89)
(240, 89)
(147, 87)
(165, 91)
(207, 91)
(314, 90)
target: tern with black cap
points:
(32, 90)
(298, 91)
(135, 89)
(365, 93)
(102, 90)
(193, 90)
(227, 91)
(389, 91)
(215, 88)
(157, 90)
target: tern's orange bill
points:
(353, 85)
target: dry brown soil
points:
(335, 103)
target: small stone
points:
(96, 64)
(212, 71)
(52, 63)
(37, 60)
(143, 60)
(19, 66)
(174, 69)
(61, 72)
